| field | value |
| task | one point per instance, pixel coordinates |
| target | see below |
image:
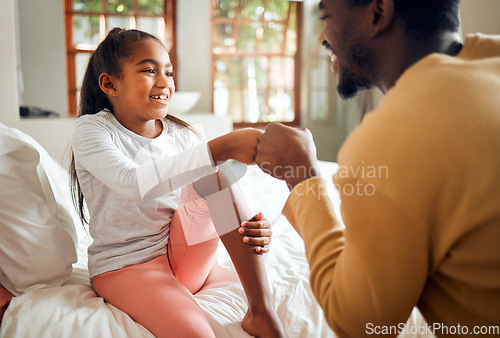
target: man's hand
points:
(287, 153)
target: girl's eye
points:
(170, 74)
(150, 70)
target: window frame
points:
(242, 54)
(169, 15)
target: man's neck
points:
(400, 60)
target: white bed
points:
(74, 310)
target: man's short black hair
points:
(423, 18)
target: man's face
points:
(351, 58)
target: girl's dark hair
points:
(118, 46)
(423, 18)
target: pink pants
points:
(158, 294)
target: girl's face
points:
(146, 85)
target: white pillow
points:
(37, 225)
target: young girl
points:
(152, 189)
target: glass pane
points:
(272, 40)
(229, 102)
(86, 31)
(318, 75)
(256, 71)
(263, 106)
(227, 83)
(87, 5)
(155, 26)
(255, 108)
(280, 106)
(152, 7)
(277, 10)
(318, 105)
(291, 43)
(247, 36)
(235, 105)
(227, 72)
(82, 60)
(221, 99)
(226, 8)
(119, 6)
(281, 73)
(252, 9)
(291, 34)
(223, 37)
(118, 21)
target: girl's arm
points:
(239, 145)
(95, 151)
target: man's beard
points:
(350, 84)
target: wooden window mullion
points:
(297, 65)
(285, 29)
(70, 57)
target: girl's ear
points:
(106, 84)
(382, 16)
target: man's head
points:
(356, 32)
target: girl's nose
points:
(162, 80)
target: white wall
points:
(9, 106)
(480, 16)
(43, 54)
(194, 57)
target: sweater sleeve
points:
(95, 151)
(369, 274)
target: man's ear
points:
(382, 16)
(106, 84)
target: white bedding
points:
(74, 310)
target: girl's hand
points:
(257, 232)
(239, 145)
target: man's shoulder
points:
(441, 73)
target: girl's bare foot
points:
(263, 324)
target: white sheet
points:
(74, 310)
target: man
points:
(418, 177)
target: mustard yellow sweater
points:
(419, 181)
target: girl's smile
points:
(162, 99)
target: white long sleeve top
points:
(131, 186)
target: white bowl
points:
(182, 102)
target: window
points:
(256, 60)
(88, 22)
